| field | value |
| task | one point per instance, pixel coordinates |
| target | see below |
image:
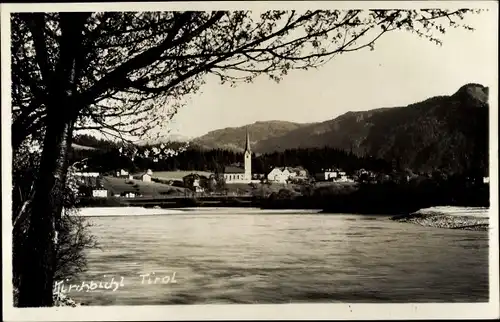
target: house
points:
(100, 193)
(298, 172)
(333, 175)
(146, 177)
(122, 173)
(196, 185)
(194, 181)
(302, 173)
(284, 174)
(325, 175)
(128, 194)
(90, 179)
(365, 176)
(87, 174)
(298, 175)
(343, 178)
(279, 175)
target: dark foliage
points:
(314, 160)
(390, 197)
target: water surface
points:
(256, 257)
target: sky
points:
(403, 69)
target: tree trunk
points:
(37, 269)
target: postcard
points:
(250, 160)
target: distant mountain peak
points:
(475, 92)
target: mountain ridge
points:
(233, 138)
(437, 132)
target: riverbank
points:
(391, 199)
(170, 202)
(141, 211)
(464, 218)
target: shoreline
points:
(447, 217)
(463, 218)
(144, 211)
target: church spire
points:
(247, 145)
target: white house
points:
(197, 186)
(87, 174)
(344, 178)
(122, 173)
(146, 177)
(333, 175)
(280, 175)
(99, 193)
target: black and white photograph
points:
(280, 160)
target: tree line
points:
(107, 158)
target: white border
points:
(252, 311)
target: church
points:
(238, 174)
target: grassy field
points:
(154, 189)
(150, 189)
(178, 175)
(334, 184)
(260, 189)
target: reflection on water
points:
(273, 258)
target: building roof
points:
(296, 169)
(289, 169)
(231, 169)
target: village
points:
(234, 180)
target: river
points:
(253, 256)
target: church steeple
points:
(247, 145)
(248, 160)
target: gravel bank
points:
(449, 217)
